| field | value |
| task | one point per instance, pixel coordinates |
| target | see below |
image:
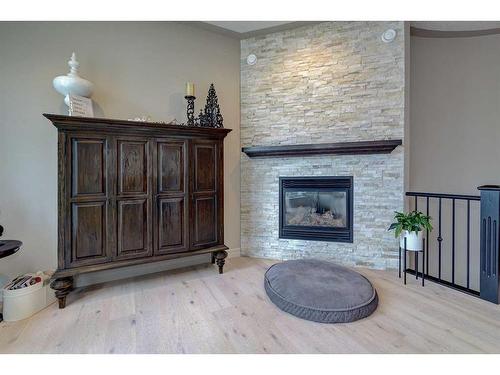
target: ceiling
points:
(247, 26)
(456, 25)
(247, 29)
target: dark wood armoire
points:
(135, 192)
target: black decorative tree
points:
(212, 116)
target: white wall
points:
(137, 68)
(455, 136)
(455, 113)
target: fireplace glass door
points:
(316, 208)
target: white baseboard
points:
(233, 253)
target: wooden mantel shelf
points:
(339, 148)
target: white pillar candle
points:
(189, 89)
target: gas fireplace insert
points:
(316, 208)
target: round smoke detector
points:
(388, 36)
(251, 59)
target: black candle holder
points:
(211, 117)
(190, 110)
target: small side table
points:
(405, 250)
(8, 247)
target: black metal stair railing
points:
(438, 198)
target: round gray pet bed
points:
(320, 291)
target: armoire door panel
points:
(133, 160)
(205, 167)
(171, 225)
(171, 167)
(133, 221)
(205, 220)
(204, 195)
(88, 233)
(88, 159)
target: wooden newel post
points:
(490, 243)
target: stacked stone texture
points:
(330, 82)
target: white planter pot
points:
(413, 240)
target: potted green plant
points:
(410, 226)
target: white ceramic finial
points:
(72, 83)
(73, 64)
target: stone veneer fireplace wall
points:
(330, 82)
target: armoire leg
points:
(63, 287)
(220, 257)
(213, 258)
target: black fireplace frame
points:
(316, 233)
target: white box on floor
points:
(22, 303)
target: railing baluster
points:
(416, 203)
(453, 242)
(427, 241)
(468, 244)
(440, 239)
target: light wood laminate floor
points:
(196, 310)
